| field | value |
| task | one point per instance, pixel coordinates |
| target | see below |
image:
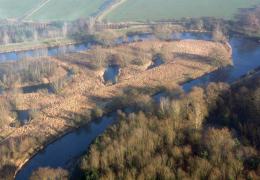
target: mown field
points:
(16, 8)
(67, 9)
(141, 10)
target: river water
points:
(246, 57)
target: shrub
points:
(218, 35)
(5, 111)
(137, 61)
(219, 58)
(91, 175)
(96, 113)
(33, 114)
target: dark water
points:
(111, 74)
(246, 56)
(36, 88)
(23, 116)
(156, 62)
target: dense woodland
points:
(248, 21)
(209, 133)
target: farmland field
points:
(48, 10)
(141, 10)
(16, 8)
(67, 9)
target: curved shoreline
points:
(49, 142)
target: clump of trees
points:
(219, 57)
(202, 24)
(239, 108)
(248, 21)
(218, 35)
(19, 32)
(15, 32)
(58, 85)
(162, 31)
(25, 71)
(5, 111)
(177, 138)
(8, 153)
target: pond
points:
(23, 116)
(36, 88)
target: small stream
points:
(246, 57)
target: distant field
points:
(67, 9)
(16, 8)
(141, 10)
(47, 10)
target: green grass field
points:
(142, 10)
(67, 9)
(16, 8)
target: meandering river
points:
(63, 151)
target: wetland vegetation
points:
(161, 93)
